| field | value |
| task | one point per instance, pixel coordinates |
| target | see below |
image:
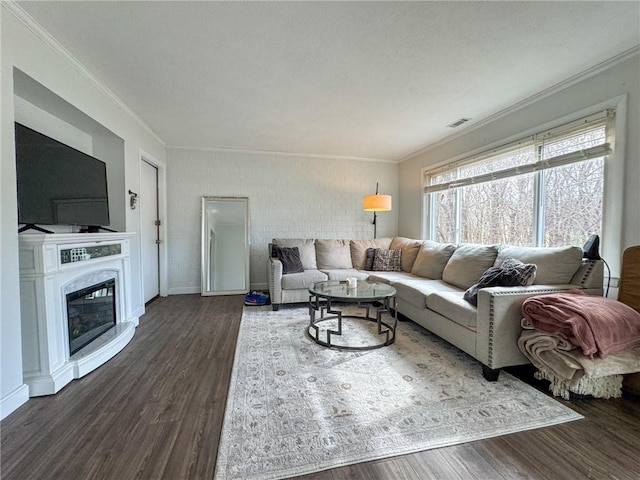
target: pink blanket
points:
(598, 325)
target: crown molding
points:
(590, 72)
(280, 154)
(12, 7)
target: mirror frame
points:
(204, 254)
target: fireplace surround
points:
(54, 268)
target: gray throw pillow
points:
(516, 271)
(388, 260)
(512, 273)
(371, 255)
(290, 258)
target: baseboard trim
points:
(14, 400)
(190, 290)
(184, 290)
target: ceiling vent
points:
(459, 122)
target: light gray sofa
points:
(432, 283)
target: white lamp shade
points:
(376, 203)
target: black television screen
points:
(57, 184)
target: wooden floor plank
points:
(156, 409)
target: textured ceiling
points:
(360, 79)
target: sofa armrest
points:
(499, 322)
(274, 273)
(590, 276)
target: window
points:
(544, 190)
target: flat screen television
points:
(57, 184)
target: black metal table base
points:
(384, 329)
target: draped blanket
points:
(598, 326)
(569, 370)
(568, 363)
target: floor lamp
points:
(376, 203)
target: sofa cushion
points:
(290, 258)
(306, 247)
(416, 290)
(409, 247)
(305, 279)
(359, 250)
(468, 263)
(512, 273)
(344, 273)
(453, 306)
(387, 260)
(333, 254)
(390, 277)
(556, 265)
(432, 258)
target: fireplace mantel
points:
(52, 265)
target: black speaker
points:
(591, 248)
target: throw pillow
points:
(359, 250)
(371, 255)
(519, 273)
(512, 273)
(306, 247)
(290, 258)
(388, 260)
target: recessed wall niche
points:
(39, 108)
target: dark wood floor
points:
(155, 412)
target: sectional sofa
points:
(431, 282)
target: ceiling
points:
(375, 80)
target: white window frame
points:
(613, 194)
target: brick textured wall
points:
(289, 196)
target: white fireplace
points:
(54, 268)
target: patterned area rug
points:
(295, 407)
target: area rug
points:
(295, 407)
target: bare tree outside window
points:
(499, 212)
(573, 193)
(573, 202)
(446, 216)
(496, 204)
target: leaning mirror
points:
(225, 245)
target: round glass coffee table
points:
(323, 296)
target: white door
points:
(149, 230)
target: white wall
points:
(42, 121)
(622, 195)
(35, 54)
(289, 196)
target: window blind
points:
(534, 145)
